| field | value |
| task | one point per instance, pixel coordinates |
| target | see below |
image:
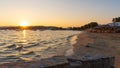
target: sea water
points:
(29, 45)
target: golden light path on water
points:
(24, 34)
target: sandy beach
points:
(87, 44)
(99, 43)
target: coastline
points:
(72, 40)
(98, 44)
(89, 44)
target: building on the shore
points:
(108, 28)
(114, 24)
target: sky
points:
(63, 13)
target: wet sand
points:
(99, 43)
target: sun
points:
(24, 23)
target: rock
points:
(95, 61)
(75, 63)
(55, 62)
(89, 45)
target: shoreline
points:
(88, 44)
(98, 43)
(72, 41)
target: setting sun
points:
(24, 23)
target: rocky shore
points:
(65, 62)
(92, 50)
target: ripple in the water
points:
(28, 53)
(31, 45)
(11, 46)
(28, 45)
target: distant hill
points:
(31, 28)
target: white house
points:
(114, 24)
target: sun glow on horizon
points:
(24, 23)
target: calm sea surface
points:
(29, 45)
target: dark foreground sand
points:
(87, 44)
(99, 43)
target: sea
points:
(28, 45)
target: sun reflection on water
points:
(24, 39)
(24, 34)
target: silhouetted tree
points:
(93, 24)
(87, 26)
(117, 19)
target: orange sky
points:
(63, 13)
